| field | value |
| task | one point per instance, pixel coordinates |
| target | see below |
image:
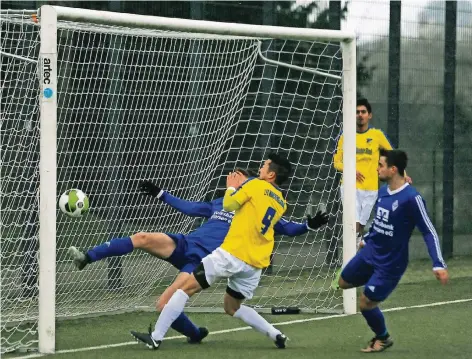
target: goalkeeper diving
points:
(185, 251)
(246, 249)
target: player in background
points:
(382, 261)
(369, 141)
(185, 252)
(246, 249)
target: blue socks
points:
(122, 246)
(115, 247)
(376, 321)
(185, 326)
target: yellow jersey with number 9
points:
(258, 206)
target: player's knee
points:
(232, 301)
(139, 239)
(143, 240)
(343, 284)
(366, 304)
(231, 307)
(230, 310)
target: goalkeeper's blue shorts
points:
(187, 255)
(378, 285)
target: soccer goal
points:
(101, 101)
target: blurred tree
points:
(291, 14)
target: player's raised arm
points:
(292, 229)
(190, 208)
(338, 156)
(233, 198)
(430, 237)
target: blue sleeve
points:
(290, 228)
(190, 208)
(425, 226)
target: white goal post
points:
(50, 95)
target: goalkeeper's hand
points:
(148, 188)
(320, 219)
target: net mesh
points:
(181, 110)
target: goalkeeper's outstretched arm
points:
(292, 229)
(189, 208)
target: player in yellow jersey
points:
(258, 204)
(369, 141)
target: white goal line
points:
(224, 331)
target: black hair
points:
(364, 102)
(243, 171)
(252, 173)
(246, 172)
(397, 158)
(281, 166)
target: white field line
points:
(99, 347)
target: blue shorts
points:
(377, 285)
(186, 256)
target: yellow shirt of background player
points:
(368, 144)
(251, 234)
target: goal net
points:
(180, 109)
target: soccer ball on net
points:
(74, 203)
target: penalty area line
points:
(305, 320)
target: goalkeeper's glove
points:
(320, 219)
(148, 188)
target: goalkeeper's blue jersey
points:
(396, 215)
(210, 235)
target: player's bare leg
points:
(157, 244)
(235, 308)
(164, 298)
(375, 320)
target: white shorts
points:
(365, 202)
(242, 277)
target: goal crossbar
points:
(199, 26)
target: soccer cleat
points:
(80, 258)
(280, 340)
(147, 339)
(335, 282)
(378, 345)
(203, 334)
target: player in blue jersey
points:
(185, 252)
(380, 264)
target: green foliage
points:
(295, 15)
